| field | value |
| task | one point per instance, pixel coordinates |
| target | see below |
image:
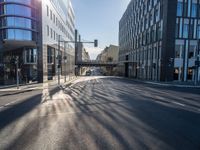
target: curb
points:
(172, 85)
(38, 86)
(164, 84)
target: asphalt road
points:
(101, 113)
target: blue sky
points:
(99, 19)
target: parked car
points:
(88, 73)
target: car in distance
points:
(88, 73)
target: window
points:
(189, 8)
(18, 34)
(31, 55)
(194, 9)
(179, 49)
(54, 18)
(159, 31)
(181, 28)
(186, 28)
(50, 55)
(198, 31)
(192, 49)
(179, 8)
(156, 15)
(18, 22)
(177, 28)
(47, 30)
(13, 9)
(28, 2)
(191, 28)
(151, 19)
(51, 14)
(51, 33)
(47, 10)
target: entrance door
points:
(126, 70)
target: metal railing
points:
(97, 62)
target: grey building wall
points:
(54, 21)
(58, 23)
(159, 40)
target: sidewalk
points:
(28, 86)
(35, 85)
(170, 84)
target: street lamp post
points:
(17, 68)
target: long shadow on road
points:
(127, 120)
(14, 112)
(136, 122)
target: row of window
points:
(53, 35)
(27, 2)
(142, 24)
(143, 54)
(186, 28)
(152, 35)
(181, 47)
(15, 9)
(59, 24)
(188, 8)
(142, 7)
(17, 34)
(135, 32)
(139, 13)
(17, 22)
(65, 11)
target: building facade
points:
(159, 40)
(30, 30)
(109, 54)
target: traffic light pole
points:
(58, 61)
(197, 64)
(65, 57)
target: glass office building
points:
(159, 40)
(29, 30)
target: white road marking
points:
(177, 103)
(162, 103)
(138, 90)
(159, 97)
(12, 102)
(67, 113)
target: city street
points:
(99, 112)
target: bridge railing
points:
(97, 62)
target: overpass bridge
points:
(96, 63)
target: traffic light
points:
(59, 58)
(95, 43)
